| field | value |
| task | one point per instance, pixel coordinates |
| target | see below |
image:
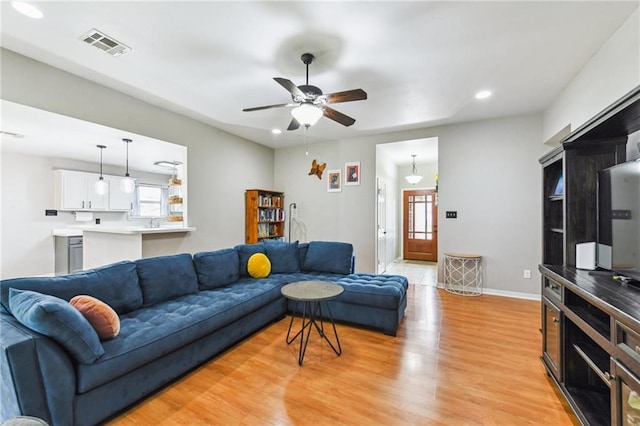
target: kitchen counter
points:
(104, 244)
(129, 230)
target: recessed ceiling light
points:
(27, 9)
(276, 131)
(483, 94)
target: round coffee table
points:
(311, 294)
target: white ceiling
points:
(420, 62)
(45, 133)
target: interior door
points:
(382, 228)
(420, 225)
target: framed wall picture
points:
(352, 173)
(334, 181)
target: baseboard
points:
(503, 293)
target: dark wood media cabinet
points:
(590, 322)
(591, 343)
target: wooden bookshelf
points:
(264, 215)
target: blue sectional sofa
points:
(175, 312)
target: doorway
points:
(381, 227)
(420, 225)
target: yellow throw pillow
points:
(259, 265)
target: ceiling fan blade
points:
(346, 96)
(293, 125)
(266, 107)
(290, 86)
(341, 118)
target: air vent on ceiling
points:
(105, 43)
(15, 135)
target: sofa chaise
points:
(174, 312)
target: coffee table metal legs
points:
(311, 315)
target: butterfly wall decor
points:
(317, 169)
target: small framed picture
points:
(352, 173)
(334, 181)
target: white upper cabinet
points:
(75, 191)
(118, 200)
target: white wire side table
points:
(463, 274)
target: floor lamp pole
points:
(292, 205)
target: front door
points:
(420, 225)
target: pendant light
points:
(127, 185)
(414, 177)
(101, 187)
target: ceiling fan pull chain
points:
(306, 140)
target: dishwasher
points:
(68, 255)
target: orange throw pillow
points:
(101, 316)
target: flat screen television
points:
(619, 219)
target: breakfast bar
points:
(103, 244)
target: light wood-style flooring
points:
(456, 361)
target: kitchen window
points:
(150, 201)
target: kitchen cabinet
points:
(118, 200)
(68, 254)
(74, 191)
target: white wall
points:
(609, 75)
(27, 186)
(347, 216)
(221, 166)
(488, 171)
(490, 175)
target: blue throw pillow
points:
(328, 256)
(217, 268)
(283, 257)
(303, 248)
(165, 278)
(244, 253)
(59, 320)
(115, 284)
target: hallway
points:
(417, 272)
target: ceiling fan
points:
(311, 104)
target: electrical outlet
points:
(451, 215)
(527, 274)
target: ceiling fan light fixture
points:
(414, 177)
(307, 114)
